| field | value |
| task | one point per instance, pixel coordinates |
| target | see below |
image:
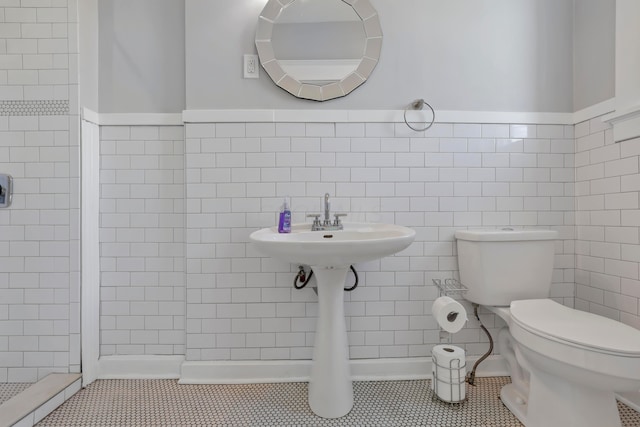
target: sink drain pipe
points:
(301, 279)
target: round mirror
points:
(319, 49)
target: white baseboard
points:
(245, 372)
(631, 399)
(139, 367)
(272, 371)
(249, 372)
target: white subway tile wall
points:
(242, 305)
(39, 234)
(142, 294)
(607, 223)
(37, 50)
(178, 273)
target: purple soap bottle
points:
(284, 224)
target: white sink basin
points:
(357, 242)
(330, 253)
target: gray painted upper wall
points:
(489, 55)
(593, 52)
(141, 56)
(88, 61)
(486, 55)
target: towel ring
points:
(418, 104)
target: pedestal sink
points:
(329, 254)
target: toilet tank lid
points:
(506, 235)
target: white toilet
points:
(565, 364)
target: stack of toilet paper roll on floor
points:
(448, 373)
(448, 365)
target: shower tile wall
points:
(241, 305)
(39, 234)
(608, 223)
(141, 240)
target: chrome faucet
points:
(327, 207)
(327, 224)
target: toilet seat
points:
(553, 321)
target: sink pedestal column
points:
(330, 388)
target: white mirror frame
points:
(269, 62)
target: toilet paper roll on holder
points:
(449, 287)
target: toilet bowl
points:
(565, 364)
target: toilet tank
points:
(500, 266)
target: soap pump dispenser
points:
(284, 224)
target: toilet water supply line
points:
(304, 279)
(471, 376)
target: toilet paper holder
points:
(448, 375)
(455, 384)
(449, 287)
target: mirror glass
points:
(319, 49)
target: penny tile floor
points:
(376, 403)
(8, 390)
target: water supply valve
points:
(6, 190)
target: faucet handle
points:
(316, 217)
(316, 221)
(337, 218)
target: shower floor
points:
(377, 403)
(8, 390)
